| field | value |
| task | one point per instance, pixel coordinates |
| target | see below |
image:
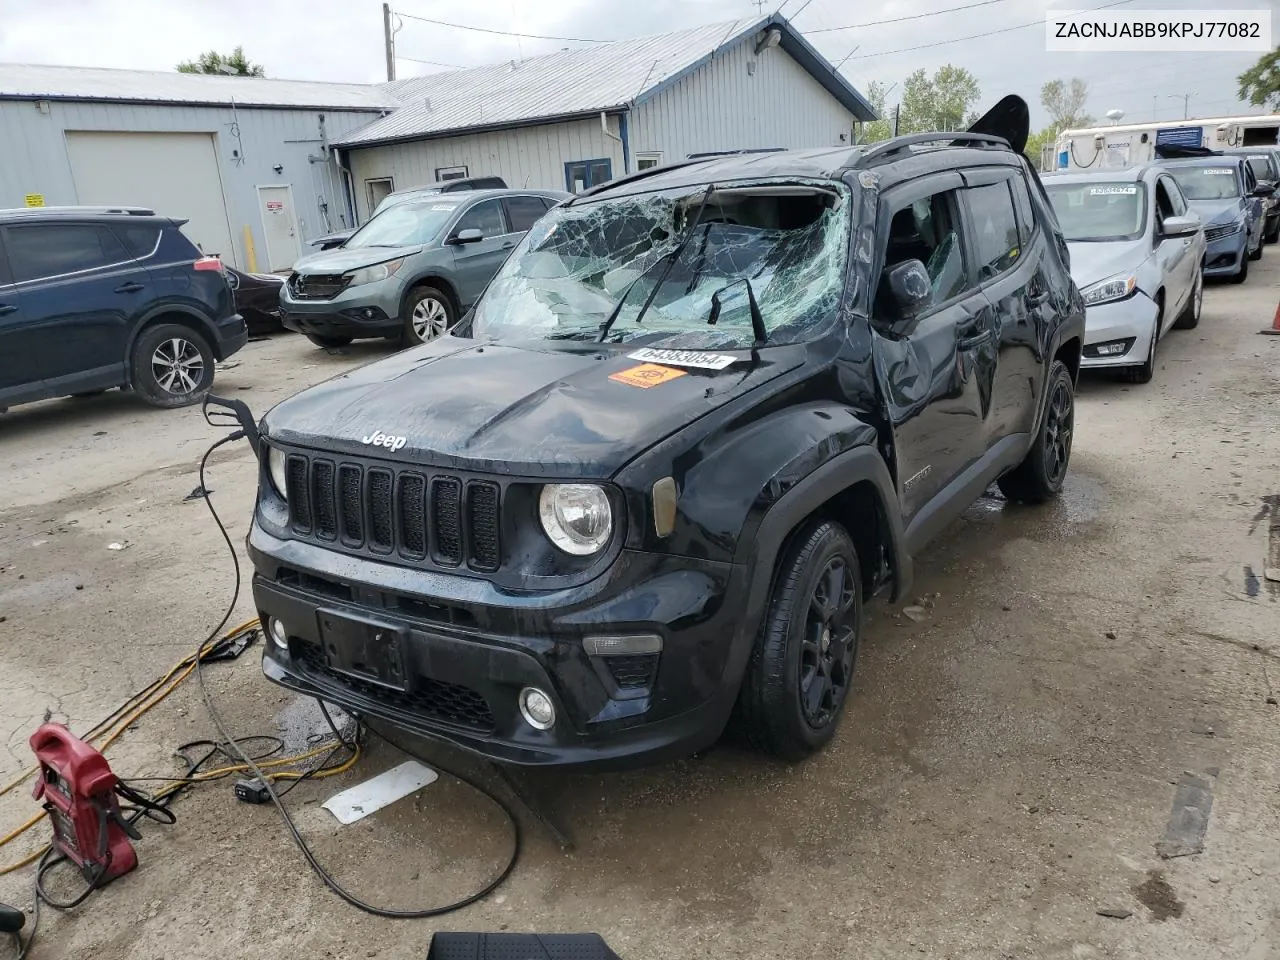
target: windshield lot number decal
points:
(1218, 172)
(684, 358)
(1112, 191)
(646, 375)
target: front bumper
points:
(369, 310)
(1223, 257)
(469, 648)
(1133, 318)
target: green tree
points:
(214, 62)
(1036, 143)
(940, 102)
(1260, 84)
(877, 95)
(1065, 100)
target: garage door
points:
(176, 174)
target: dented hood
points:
(535, 408)
(1093, 260)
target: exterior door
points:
(14, 368)
(79, 291)
(279, 226)
(930, 394)
(1173, 254)
(477, 261)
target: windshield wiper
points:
(757, 320)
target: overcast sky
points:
(342, 40)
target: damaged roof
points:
(580, 82)
(22, 81)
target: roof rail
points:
(961, 139)
(89, 208)
(707, 154)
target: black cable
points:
(25, 948)
(303, 847)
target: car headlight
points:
(276, 470)
(576, 516)
(1105, 291)
(379, 271)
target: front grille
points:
(1217, 233)
(443, 520)
(448, 702)
(317, 286)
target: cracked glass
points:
(667, 250)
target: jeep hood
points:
(342, 259)
(534, 408)
(1092, 261)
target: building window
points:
(646, 160)
(451, 173)
(379, 189)
(582, 174)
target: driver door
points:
(476, 262)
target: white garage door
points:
(176, 174)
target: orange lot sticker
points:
(646, 375)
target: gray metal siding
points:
(36, 159)
(524, 157)
(721, 106)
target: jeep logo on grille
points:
(380, 439)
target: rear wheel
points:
(1189, 319)
(802, 667)
(329, 343)
(172, 365)
(429, 314)
(1040, 475)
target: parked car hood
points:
(331, 238)
(1092, 261)
(343, 259)
(536, 408)
(1217, 212)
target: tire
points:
(328, 343)
(802, 667)
(1040, 475)
(428, 315)
(1272, 235)
(1241, 275)
(1257, 254)
(172, 366)
(1144, 372)
(1189, 318)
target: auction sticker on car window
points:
(646, 375)
(1218, 172)
(684, 358)
(1112, 191)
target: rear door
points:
(475, 263)
(80, 290)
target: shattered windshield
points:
(674, 250)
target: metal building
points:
(575, 118)
(248, 161)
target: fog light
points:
(537, 709)
(368, 313)
(278, 635)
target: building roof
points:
(35, 82)
(580, 82)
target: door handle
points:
(7, 308)
(130, 287)
(508, 245)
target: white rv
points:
(1124, 145)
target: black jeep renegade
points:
(697, 419)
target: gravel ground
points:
(1004, 772)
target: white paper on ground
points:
(356, 803)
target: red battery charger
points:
(79, 792)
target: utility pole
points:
(897, 115)
(1186, 102)
(1155, 107)
(389, 41)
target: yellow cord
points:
(150, 698)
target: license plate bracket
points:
(366, 650)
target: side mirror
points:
(470, 235)
(1264, 190)
(911, 288)
(1183, 226)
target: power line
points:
(977, 36)
(500, 33)
(434, 63)
(914, 16)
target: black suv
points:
(99, 297)
(697, 419)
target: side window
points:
(139, 238)
(39, 251)
(486, 217)
(1022, 204)
(1176, 201)
(927, 230)
(1164, 202)
(995, 229)
(524, 212)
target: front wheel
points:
(172, 366)
(429, 315)
(1257, 254)
(1040, 475)
(1273, 234)
(1189, 319)
(1241, 275)
(802, 667)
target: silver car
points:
(413, 270)
(1137, 255)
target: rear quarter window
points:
(1022, 206)
(140, 239)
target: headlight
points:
(576, 516)
(1108, 290)
(379, 271)
(275, 467)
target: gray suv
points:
(411, 271)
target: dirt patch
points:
(1157, 896)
